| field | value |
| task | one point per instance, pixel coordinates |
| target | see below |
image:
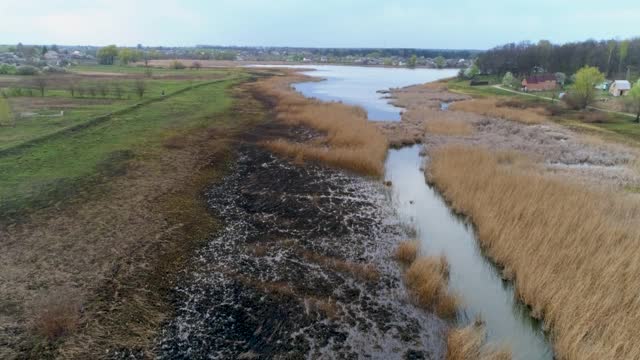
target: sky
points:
(460, 24)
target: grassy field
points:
(40, 175)
(6, 116)
(106, 90)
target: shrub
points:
(26, 70)
(7, 69)
(177, 65)
(53, 70)
(572, 101)
(597, 117)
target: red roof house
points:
(540, 82)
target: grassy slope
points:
(45, 173)
(81, 109)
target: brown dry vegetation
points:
(574, 251)
(468, 343)
(493, 107)
(119, 249)
(451, 127)
(407, 251)
(350, 141)
(364, 272)
(427, 280)
(56, 315)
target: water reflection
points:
(360, 85)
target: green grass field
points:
(36, 116)
(57, 168)
(6, 117)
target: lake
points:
(358, 85)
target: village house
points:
(619, 87)
(540, 82)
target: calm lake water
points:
(473, 276)
(359, 85)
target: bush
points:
(177, 65)
(554, 109)
(7, 69)
(597, 117)
(26, 70)
(53, 70)
(573, 102)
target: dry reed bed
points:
(427, 279)
(407, 252)
(452, 127)
(493, 107)
(468, 343)
(574, 251)
(350, 141)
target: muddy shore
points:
(301, 269)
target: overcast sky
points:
(461, 24)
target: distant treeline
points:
(363, 52)
(612, 57)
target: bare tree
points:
(196, 65)
(140, 87)
(41, 84)
(92, 91)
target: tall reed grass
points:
(349, 141)
(448, 127)
(468, 343)
(492, 107)
(427, 279)
(574, 251)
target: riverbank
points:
(88, 275)
(546, 202)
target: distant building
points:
(541, 82)
(619, 88)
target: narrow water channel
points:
(472, 276)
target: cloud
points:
(325, 23)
